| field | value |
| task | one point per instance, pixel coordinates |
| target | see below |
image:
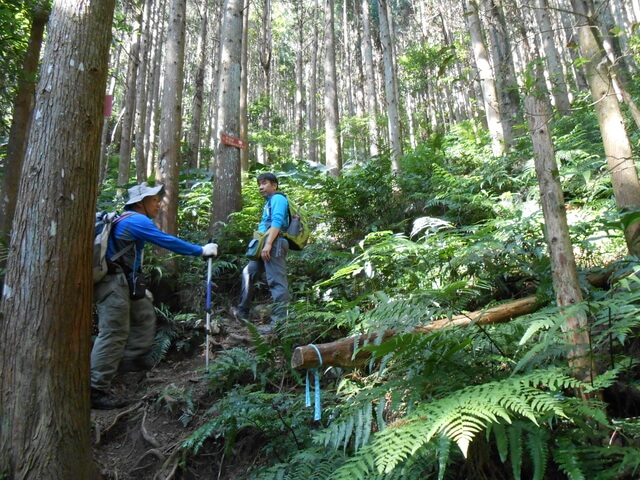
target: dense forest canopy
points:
(470, 171)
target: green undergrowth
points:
(455, 231)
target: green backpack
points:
(298, 232)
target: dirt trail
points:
(168, 403)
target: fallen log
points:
(341, 352)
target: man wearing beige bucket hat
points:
(126, 315)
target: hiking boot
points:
(136, 365)
(101, 400)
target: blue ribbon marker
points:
(318, 411)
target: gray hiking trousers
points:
(126, 329)
(276, 273)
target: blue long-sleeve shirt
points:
(275, 213)
(138, 228)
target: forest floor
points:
(168, 403)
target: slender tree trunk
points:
(347, 62)
(227, 198)
(313, 90)
(244, 90)
(635, 5)
(556, 76)
(390, 79)
(332, 120)
(150, 137)
(196, 107)
(624, 176)
(265, 61)
(142, 99)
(487, 81)
(563, 265)
(171, 119)
(506, 84)
(299, 99)
(20, 123)
(45, 338)
(126, 141)
(370, 90)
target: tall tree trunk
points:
(45, 338)
(487, 81)
(624, 176)
(195, 132)
(370, 82)
(331, 119)
(313, 90)
(150, 137)
(390, 80)
(227, 198)
(506, 84)
(171, 119)
(564, 271)
(556, 76)
(142, 100)
(244, 90)
(347, 62)
(265, 60)
(20, 123)
(129, 106)
(299, 98)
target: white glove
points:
(210, 250)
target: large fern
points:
(535, 398)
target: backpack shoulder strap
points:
(117, 255)
(288, 206)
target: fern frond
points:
(515, 448)
(537, 442)
(467, 412)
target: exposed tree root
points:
(175, 459)
(150, 440)
(100, 434)
(155, 452)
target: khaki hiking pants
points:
(126, 329)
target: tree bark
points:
(487, 81)
(129, 106)
(150, 137)
(227, 182)
(370, 85)
(332, 117)
(617, 147)
(506, 84)
(171, 119)
(22, 108)
(195, 133)
(313, 90)
(244, 90)
(390, 81)
(563, 265)
(266, 49)
(341, 353)
(559, 89)
(45, 330)
(142, 100)
(299, 98)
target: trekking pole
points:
(208, 309)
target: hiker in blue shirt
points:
(127, 326)
(275, 220)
